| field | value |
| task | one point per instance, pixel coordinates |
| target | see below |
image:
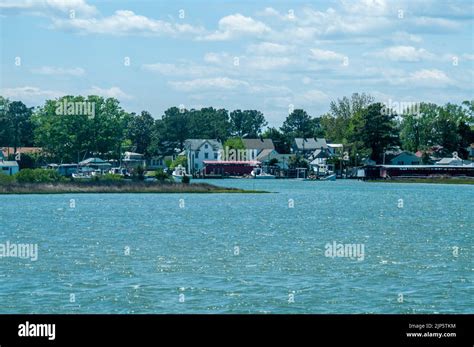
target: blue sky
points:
(264, 55)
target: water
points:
(243, 253)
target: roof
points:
(335, 145)
(258, 144)
(8, 163)
(195, 144)
(320, 154)
(447, 161)
(94, 161)
(231, 162)
(310, 144)
(423, 166)
(22, 150)
(393, 156)
(264, 153)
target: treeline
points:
(362, 125)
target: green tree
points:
(281, 142)
(247, 124)
(140, 130)
(234, 143)
(298, 124)
(16, 128)
(377, 130)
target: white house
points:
(133, 160)
(8, 167)
(198, 150)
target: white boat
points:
(259, 174)
(178, 173)
(329, 178)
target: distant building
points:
(267, 155)
(132, 160)
(199, 150)
(8, 167)
(306, 147)
(470, 151)
(258, 146)
(96, 164)
(456, 161)
(6, 151)
(402, 158)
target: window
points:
(206, 155)
(5, 168)
(215, 155)
(196, 155)
(206, 146)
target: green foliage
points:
(139, 173)
(16, 128)
(38, 176)
(180, 160)
(234, 143)
(6, 179)
(185, 179)
(161, 175)
(110, 177)
(247, 123)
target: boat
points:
(329, 178)
(81, 175)
(179, 172)
(259, 174)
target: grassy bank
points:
(434, 180)
(115, 187)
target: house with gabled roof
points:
(199, 150)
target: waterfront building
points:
(8, 167)
(200, 150)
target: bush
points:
(185, 179)
(111, 177)
(161, 175)
(38, 176)
(6, 179)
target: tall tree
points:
(298, 124)
(15, 124)
(247, 124)
(140, 131)
(377, 130)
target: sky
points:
(272, 56)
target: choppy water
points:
(243, 253)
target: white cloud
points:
(265, 63)
(432, 77)
(124, 22)
(48, 7)
(234, 26)
(266, 48)
(181, 69)
(404, 37)
(313, 96)
(404, 53)
(112, 92)
(325, 55)
(218, 83)
(52, 70)
(431, 22)
(30, 93)
(366, 7)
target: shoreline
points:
(430, 180)
(118, 188)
